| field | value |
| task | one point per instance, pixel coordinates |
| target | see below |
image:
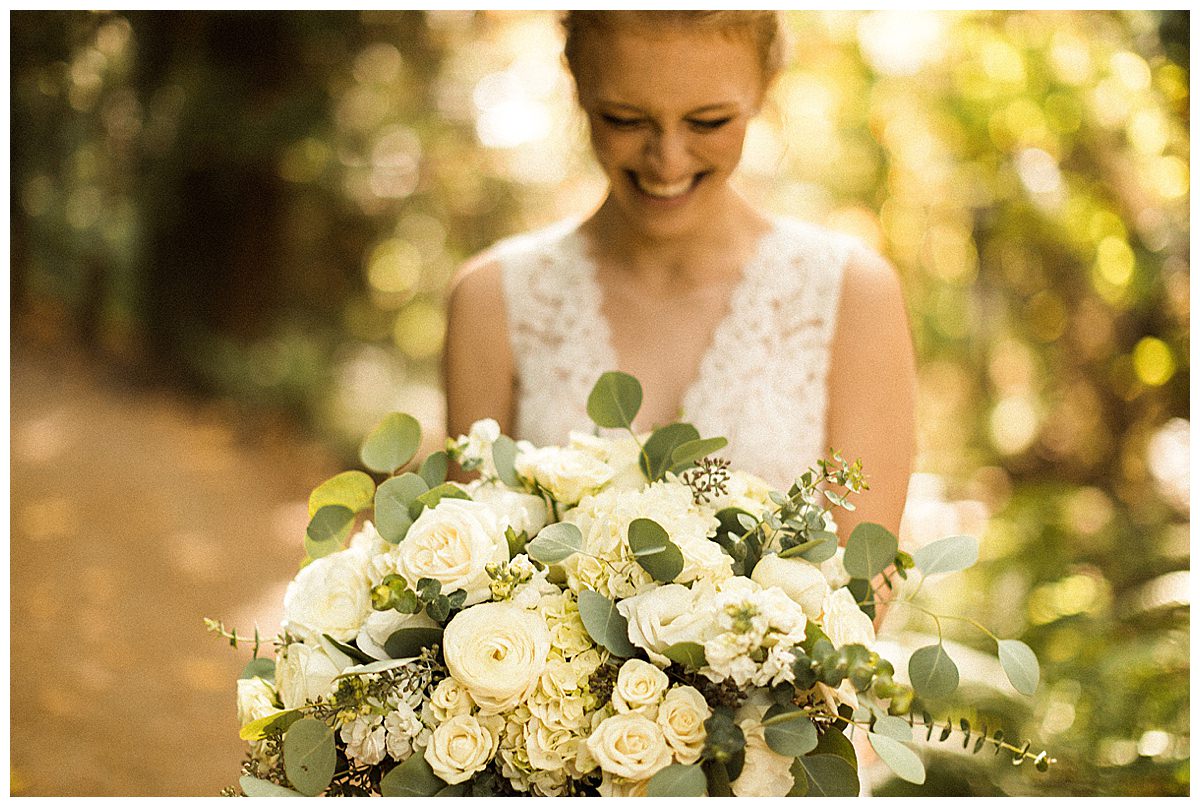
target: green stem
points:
(1024, 753)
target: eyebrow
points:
(725, 107)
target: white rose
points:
(497, 651)
(255, 699)
(621, 454)
(453, 543)
(639, 688)
(667, 615)
(835, 573)
(612, 787)
(521, 511)
(567, 473)
(330, 595)
(629, 745)
(845, 623)
(802, 581)
(681, 718)
(380, 625)
(460, 748)
(764, 773)
(306, 673)
(450, 699)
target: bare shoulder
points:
(478, 283)
(870, 283)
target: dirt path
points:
(134, 515)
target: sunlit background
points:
(232, 235)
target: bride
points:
(786, 338)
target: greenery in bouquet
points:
(622, 615)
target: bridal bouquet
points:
(615, 616)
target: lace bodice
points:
(761, 383)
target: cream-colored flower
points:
(765, 773)
(621, 454)
(330, 595)
(461, 747)
(630, 746)
(255, 699)
(521, 511)
(799, 579)
(845, 623)
(365, 739)
(681, 718)
(666, 615)
(453, 543)
(306, 672)
(497, 651)
(380, 625)
(639, 688)
(615, 787)
(568, 474)
(449, 699)
(835, 573)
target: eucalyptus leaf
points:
(870, 549)
(257, 729)
(731, 521)
(1020, 665)
(680, 781)
(504, 456)
(352, 489)
(932, 672)
(350, 650)
(331, 523)
(899, 757)
(391, 444)
(654, 551)
(259, 668)
(409, 642)
(895, 727)
(431, 497)
(799, 780)
(828, 775)
(820, 547)
(615, 400)
(319, 549)
(605, 624)
(687, 454)
(412, 777)
(392, 502)
(433, 469)
(951, 554)
(716, 775)
(794, 735)
(451, 791)
(309, 756)
(253, 787)
(687, 654)
(655, 459)
(555, 543)
(832, 741)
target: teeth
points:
(660, 191)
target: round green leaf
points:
(835, 742)
(932, 672)
(828, 775)
(685, 781)
(899, 757)
(352, 489)
(555, 543)
(253, 786)
(504, 456)
(409, 642)
(687, 654)
(951, 554)
(309, 756)
(259, 668)
(257, 729)
(895, 727)
(820, 547)
(654, 551)
(433, 469)
(392, 502)
(615, 400)
(392, 443)
(319, 549)
(412, 777)
(1020, 665)
(331, 523)
(605, 624)
(431, 497)
(870, 549)
(656, 454)
(686, 454)
(788, 731)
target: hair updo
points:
(763, 29)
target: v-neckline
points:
(604, 352)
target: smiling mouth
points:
(665, 192)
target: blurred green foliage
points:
(269, 207)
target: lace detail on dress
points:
(761, 383)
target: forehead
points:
(668, 69)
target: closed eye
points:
(618, 122)
(708, 125)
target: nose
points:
(667, 153)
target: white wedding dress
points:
(761, 383)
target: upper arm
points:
(477, 363)
(872, 389)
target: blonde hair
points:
(763, 29)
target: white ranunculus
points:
(639, 688)
(255, 699)
(521, 511)
(330, 595)
(453, 543)
(380, 625)
(306, 672)
(629, 745)
(667, 615)
(567, 473)
(450, 699)
(497, 651)
(845, 623)
(461, 747)
(835, 573)
(681, 717)
(799, 579)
